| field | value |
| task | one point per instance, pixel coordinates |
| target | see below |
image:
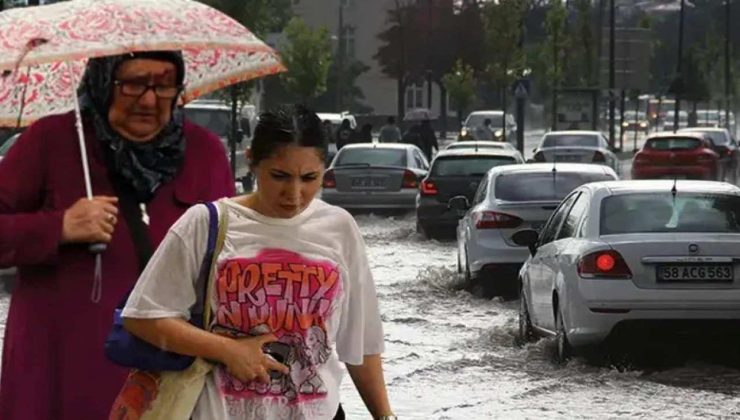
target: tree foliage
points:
(307, 55)
(259, 16)
(503, 34)
(460, 85)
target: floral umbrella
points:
(43, 49)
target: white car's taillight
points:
(604, 264)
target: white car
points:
(576, 146)
(629, 255)
(510, 198)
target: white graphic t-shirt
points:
(305, 279)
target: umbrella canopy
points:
(43, 50)
(419, 114)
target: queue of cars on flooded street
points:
(590, 257)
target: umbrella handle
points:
(98, 248)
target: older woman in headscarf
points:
(139, 146)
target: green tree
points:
(503, 34)
(554, 49)
(259, 16)
(352, 95)
(582, 57)
(307, 55)
(460, 84)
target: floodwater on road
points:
(450, 355)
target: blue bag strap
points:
(205, 266)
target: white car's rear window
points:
(372, 157)
(542, 186)
(688, 212)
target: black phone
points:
(278, 351)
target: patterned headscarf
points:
(143, 166)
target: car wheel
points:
(526, 333)
(563, 351)
(423, 230)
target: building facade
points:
(364, 20)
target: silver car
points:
(375, 176)
(511, 198)
(618, 256)
(576, 147)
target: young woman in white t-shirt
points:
(292, 284)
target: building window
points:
(415, 96)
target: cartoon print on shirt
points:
(291, 296)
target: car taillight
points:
(599, 157)
(640, 159)
(428, 188)
(410, 180)
(539, 157)
(495, 220)
(329, 180)
(604, 264)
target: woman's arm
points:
(370, 383)
(243, 357)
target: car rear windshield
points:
(480, 146)
(542, 186)
(216, 121)
(570, 140)
(475, 120)
(660, 212)
(468, 166)
(372, 157)
(673, 143)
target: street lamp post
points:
(728, 91)
(612, 73)
(340, 59)
(679, 66)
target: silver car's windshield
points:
(570, 140)
(718, 137)
(469, 166)
(372, 157)
(542, 186)
(216, 121)
(688, 212)
(475, 120)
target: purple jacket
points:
(53, 365)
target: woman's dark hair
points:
(287, 125)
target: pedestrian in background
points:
(318, 255)
(390, 133)
(144, 159)
(365, 135)
(345, 134)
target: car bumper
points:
(691, 172)
(404, 199)
(596, 307)
(436, 215)
(494, 252)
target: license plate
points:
(695, 272)
(368, 182)
(569, 158)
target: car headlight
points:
(463, 132)
(643, 124)
(499, 133)
(625, 124)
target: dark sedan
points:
(455, 173)
(370, 176)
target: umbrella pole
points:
(99, 248)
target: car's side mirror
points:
(459, 202)
(528, 238)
